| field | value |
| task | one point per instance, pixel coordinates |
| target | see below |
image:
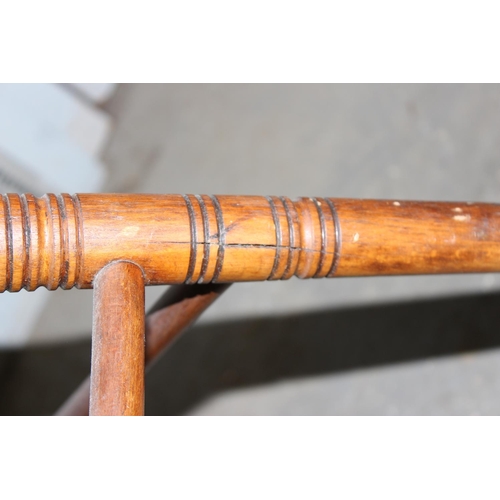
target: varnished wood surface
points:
(177, 309)
(65, 240)
(118, 357)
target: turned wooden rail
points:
(118, 243)
(66, 240)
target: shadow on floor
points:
(216, 357)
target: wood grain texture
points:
(118, 357)
(65, 240)
(175, 311)
(405, 237)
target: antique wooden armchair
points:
(119, 243)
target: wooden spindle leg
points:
(117, 373)
(173, 313)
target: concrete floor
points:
(435, 142)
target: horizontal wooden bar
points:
(65, 240)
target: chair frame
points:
(119, 243)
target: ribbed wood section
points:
(40, 242)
